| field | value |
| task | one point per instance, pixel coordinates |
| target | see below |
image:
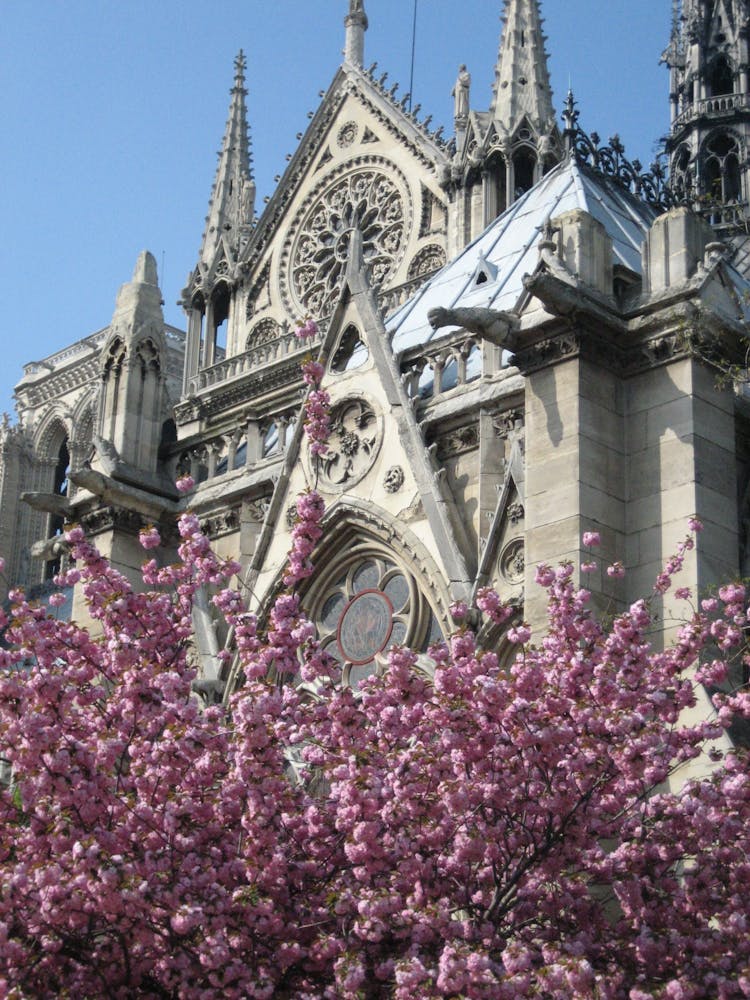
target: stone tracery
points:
(368, 200)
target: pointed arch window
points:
(351, 352)
(60, 487)
(524, 169)
(682, 179)
(498, 180)
(722, 181)
(720, 78)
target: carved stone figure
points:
(499, 327)
(460, 93)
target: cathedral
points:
(526, 336)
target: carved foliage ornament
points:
(347, 134)
(353, 445)
(394, 479)
(368, 200)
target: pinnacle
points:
(240, 66)
(522, 84)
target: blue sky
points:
(113, 111)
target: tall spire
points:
(356, 26)
(522, 85)
(233, 194)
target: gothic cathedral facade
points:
(523, 334)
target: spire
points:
(522, 86)
(356, 26)
(233, 194)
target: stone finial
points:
(139, 300)
(356, 25)
(145, 269)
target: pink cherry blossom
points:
(488, 821)
(185, 484)
(150, 538)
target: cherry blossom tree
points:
(471, 831)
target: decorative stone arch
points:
(682, 171)
(721, 154)
(52, 459)
(525, 168)
(82, 437)
(264, 332)
(217, 320)
(428, 260)
(363, 547)
(113, 360)
(146, 353)
(55, 428)
(720, 76)
(350, 351)
(495, 177)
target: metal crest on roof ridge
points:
(610, 160)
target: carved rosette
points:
(393, 479)
(373, 199)
(511, 563)
(346, 135)
(353, 445)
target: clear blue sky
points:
(113, 110)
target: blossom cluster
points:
(484, 829)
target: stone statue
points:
(498, 327)
(460, 93)
(247, 201)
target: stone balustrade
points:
(238, 448)
(434, 369)
(711, 106)
(257, 356)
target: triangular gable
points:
(377, 464)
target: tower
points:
(502, 152)
(231, 210)
(710, 108)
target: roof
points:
(509, 248)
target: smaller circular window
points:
(365, 627)
(371, 606)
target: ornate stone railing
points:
(61, 358)
(712, 106)
(240, 447)
(430, 370)
(732, 216)
(250, 360)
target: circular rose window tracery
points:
(371, 605)
(369, 200)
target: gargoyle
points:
(48, 503)
(50, 548)
(497, 327)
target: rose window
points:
(368, 201)
(371, 606)
(353, 444)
